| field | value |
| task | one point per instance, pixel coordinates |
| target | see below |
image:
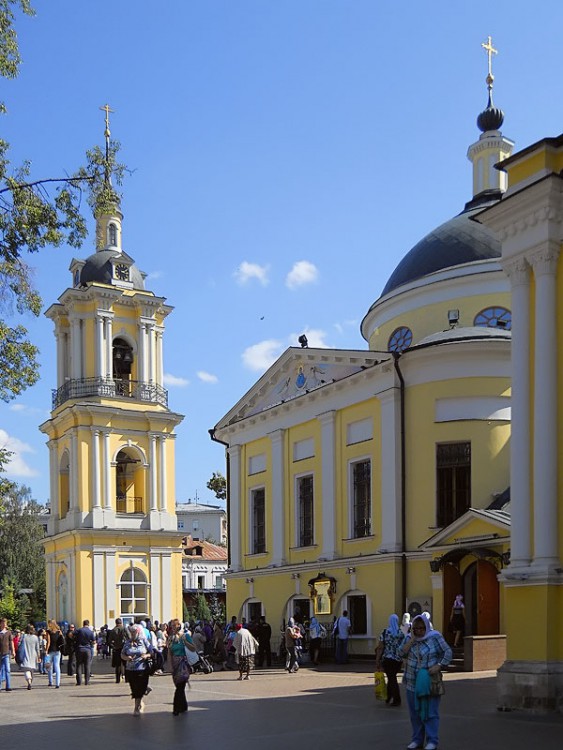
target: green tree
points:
(218, 485)
(10, 606)
(217, 608)
(22, 561)
(35, 213)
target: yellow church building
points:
(385, 480)
(113, 549)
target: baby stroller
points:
(203, 665)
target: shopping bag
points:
(380, 686)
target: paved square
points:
(330, 707)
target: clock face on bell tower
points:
(122, 272)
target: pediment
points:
(295, 374)
(473, 527)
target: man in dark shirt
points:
(116, 638)
(264, 634)
(84, 648)
(70, 651)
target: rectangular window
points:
(361, 498)
(258, 509)
(305, 497)
(453, 481)
(358, 614)
(201, 582)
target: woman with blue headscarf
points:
(427, 654)
(389, 656)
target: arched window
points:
(112, 234)
(122, 366)
(494, 317)
(133, 594)
(129, 482)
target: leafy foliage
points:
(10, 606)
(218, 485)
(22, 561)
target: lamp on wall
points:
(296, 575)
(453, 318)
(250, 580)
(436, 565)
(350, 570)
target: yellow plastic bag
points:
(380, 686)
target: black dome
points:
(459, 240)
(98, 268)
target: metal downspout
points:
(222, 442)
(396, 357)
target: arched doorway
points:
(479, 585)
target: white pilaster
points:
(152, 472)
(152, 352)
(108, 494)
(391, 533)
(54, 481)
(100, 370)
(60, 338)
(109, 346)
(235, 507)
(544, 263)
(95, 469)
(163, 487)
(51, 589)
(518, 272)
(278, 497)
(156, 586)
(328, 459)
(73, 479)
(98, 582)
(72, 586)
(111, 592)
(166, 590)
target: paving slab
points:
(333, 707)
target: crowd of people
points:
(142, 649)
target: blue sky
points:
(286, 155)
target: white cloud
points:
(260, 356)
(16, 465)
(154, 275)
(247, 271)
(207, 377)
(303, 272)
(315, 338)
(174, 380)
(345, 324)
(24, 409)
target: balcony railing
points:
(121, 504)
(110, 388)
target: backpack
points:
(20, 653)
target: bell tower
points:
(113, 549)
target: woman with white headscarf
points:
(406, 624)
(427, 654)
(389, 656)
(135, 653)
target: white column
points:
(520, 554)
(278, 497)
(107, 471)
(163, 487)
(166, 591)
(152, 472)
(99, 344)
(235, 507)
(73, 479)
(391, 532)
(72, 585)
(51, 588)
(328, 488)
(109, 346)
(151, 357)
(142, 361)
(95, 469)
(76, 348)
(60, 338)
(159, 359)
(544, 263)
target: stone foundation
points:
(484, 652)
(531, 686)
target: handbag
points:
(437, 687)
(380, 686)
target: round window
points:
(494, 317)
(400, 339)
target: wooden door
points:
(452, 586)
(487, 599)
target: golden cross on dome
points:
(490, 50)
(107, 109)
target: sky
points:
(284, 156)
